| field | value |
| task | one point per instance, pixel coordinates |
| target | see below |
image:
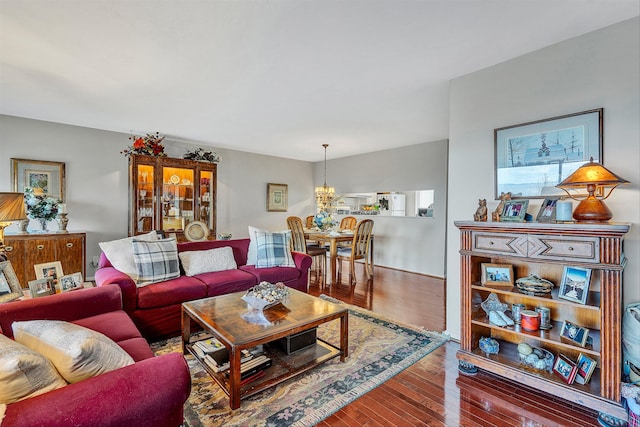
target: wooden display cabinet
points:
(544, 250)
(26, 250)
(167, 194)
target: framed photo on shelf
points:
(47, 176)
(49, 269)
(551, 148)
(514, 211)
(42, 287)
(586, 366)
(547, 212)
(565, 368)
(574, 334)
(277, 197)
(575, 284)
(10, 288)
(497, 274)
(70, 282)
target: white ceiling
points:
(278, 77)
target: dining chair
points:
(360, 249)
(348, 223)
(299, 244)
(309, 221)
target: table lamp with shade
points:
(11, 209)
(597, 179)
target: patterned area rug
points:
(378, 350)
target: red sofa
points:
(155, 309)
(151, 392)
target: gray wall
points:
(97, 179)
(97, 185)
(599, 69)
(406, 243)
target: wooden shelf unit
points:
(544, 249)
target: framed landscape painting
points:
(532, 158)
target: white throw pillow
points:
(77, 352)
(218, 259)
(252, 253)
(120, 253)
(24, 373)
(156, 261)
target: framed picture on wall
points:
(38, 174)
(532, 158)
(277, 197)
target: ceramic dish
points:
(196, 231)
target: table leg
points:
(186, 331)
(234, 378)
(344, 337)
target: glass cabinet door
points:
(206, 199)
(178, 202)
(145, 196)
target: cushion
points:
(25, 373)
(77, 353)
(217, 259)
(120, 253)
(274, 250)
(252, 254)
(156, 261)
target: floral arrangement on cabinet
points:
(202, 155)
(149, 145)
(39, 206)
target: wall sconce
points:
(596, 178)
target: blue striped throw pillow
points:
(156, 261)
(273, 250)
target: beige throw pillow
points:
(218, 259)
(77, 352)
(24, 373)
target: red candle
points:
(530, 320)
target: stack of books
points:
(216, 356)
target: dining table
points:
(332, 238)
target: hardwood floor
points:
(432, 392)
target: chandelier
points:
(325, 195)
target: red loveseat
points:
(151, 392)
(155, 308)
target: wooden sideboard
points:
(26, 250)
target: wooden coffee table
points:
(222, 317)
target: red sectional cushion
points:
(119, 327)
(226, 282)
(173, 291)
(272, 274)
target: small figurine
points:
(495, 216)
(481, 212)
(489, 345)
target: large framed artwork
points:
(532, 158)
(47, 176)
(277, 197)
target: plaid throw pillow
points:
(156, 261)
(273, 250)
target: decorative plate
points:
(196, 231)
(175, 179)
